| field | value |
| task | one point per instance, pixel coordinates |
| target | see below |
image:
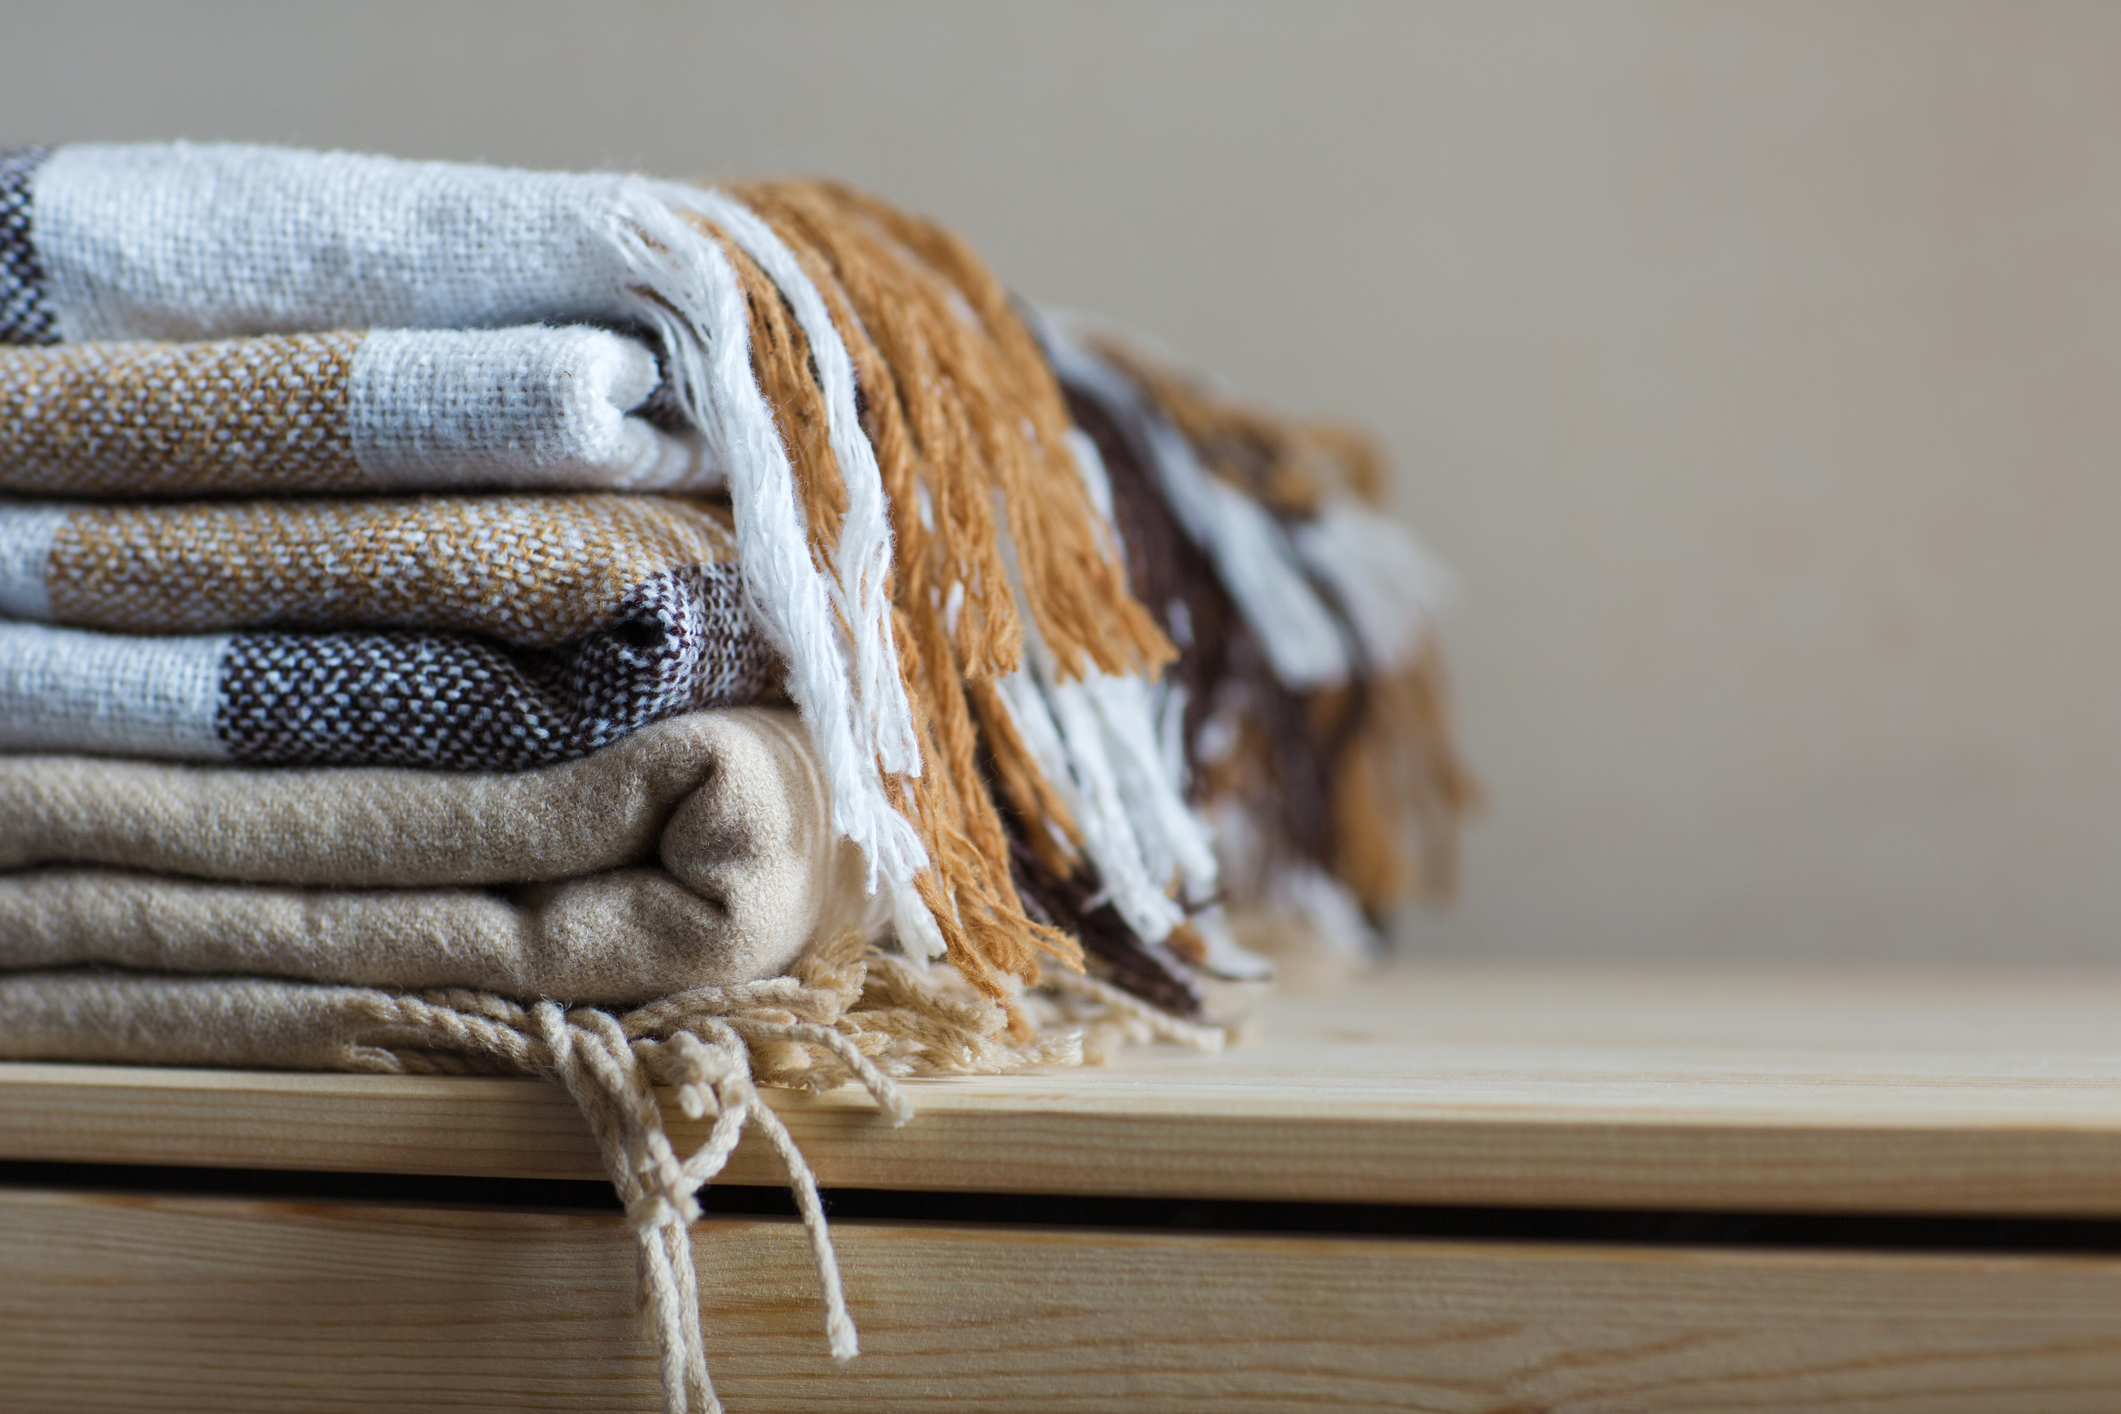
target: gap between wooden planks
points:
(1822, 1091)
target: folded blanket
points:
(444, 701)
(526, 569)
(388, 410)
(622, 936)
(609, 611)
(191, 242)
(698, 851)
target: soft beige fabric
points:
(367, 826)
(698, 852)
(223, 1021)
(622, 936)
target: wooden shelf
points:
(1823, 1092)
(1908, 1092)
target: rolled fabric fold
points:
(699, 852)
(624, 936)
(351, 411)
(378, 826)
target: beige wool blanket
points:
(697, 852)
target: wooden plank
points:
(1914, 1092)
(123, 1304)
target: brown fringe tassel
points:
(964, 418)
(1399, 791)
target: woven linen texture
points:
(346, 412)
(65, 690)
(147, 419)
(25, 316)
(452, 702)
(446, 701)
(533, 570)
(211, 241)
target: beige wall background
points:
(1758, 367)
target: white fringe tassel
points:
(1256, 562)
(849, 693)
(1101, 741)
(1387, 582)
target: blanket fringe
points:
(610, 1071)
(848, 1012)
(995, 533)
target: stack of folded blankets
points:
(455, 619)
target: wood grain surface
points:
(1879, 1092)
(198, 1304)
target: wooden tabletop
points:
(1909, 1092)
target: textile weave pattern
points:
(182, 241)
(143, 419)
(537, 571)
(453, 702)
(25, 317)
(341, 412)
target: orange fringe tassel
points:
(970, 434)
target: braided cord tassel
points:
(610, 1074)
